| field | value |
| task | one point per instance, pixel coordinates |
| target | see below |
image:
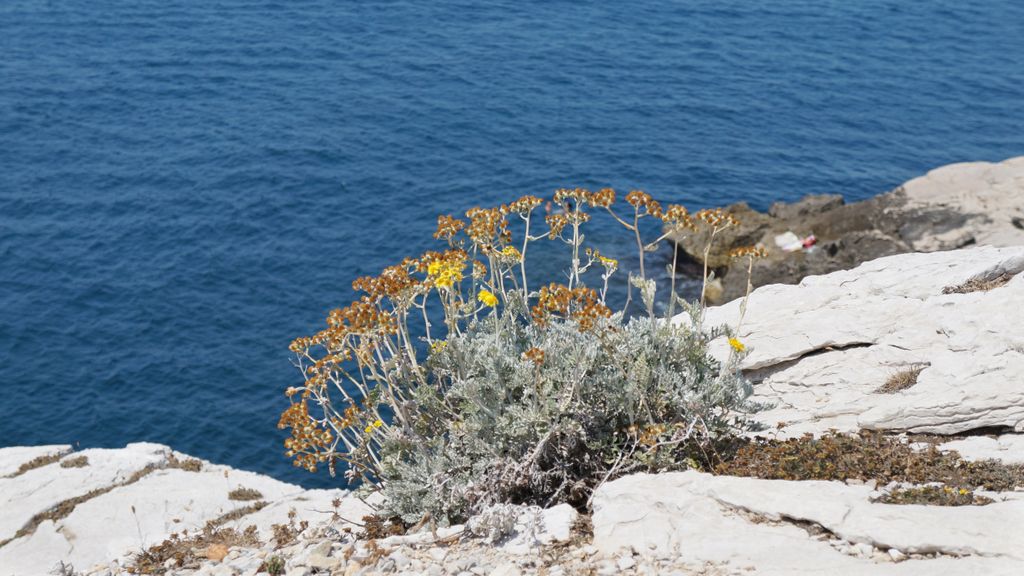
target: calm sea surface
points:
(186, 186)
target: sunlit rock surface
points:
(819, 351)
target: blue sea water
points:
(186, 186)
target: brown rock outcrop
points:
(948, 208)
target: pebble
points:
(223, 570)
(400, 558)
(864, 550)
(506, 569)
(626, 562)
(321, 562)
(896, 555)
(216, 552)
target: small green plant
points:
(865, 456)
(521, 395)
(273, 566)
(934, 496)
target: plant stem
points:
(522, 259)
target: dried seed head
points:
(448, 227)
(603, 198)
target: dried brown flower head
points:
(448, 227)
(751, 251)
(639, 199)
(525, 205)
(603, 198)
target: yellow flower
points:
(608, 262)
(368, 429)
(488, 298)
(446, 272)
(511, 253)
(378, 423)
(737, 345)
(438, 346)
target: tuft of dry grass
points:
(901, 380)
(244, 494)
(187, 552)
(37, 462)
(867, 456)
(978, 285)
(188, 464)
(80, 461)
(285, 534)
(237, 513)
(376, 526)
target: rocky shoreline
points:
(821, 354)
(959, 205)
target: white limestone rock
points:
(987, 194)
(123, 515)
(40, 489)
(1008, 448)
(524, 529)
(820, 350)
(749, 523)
(536, 527)
(312, 506)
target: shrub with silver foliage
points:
(527, 395)
(500, 427)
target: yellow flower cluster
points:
(609, 263)
(510, 253)
(376, 424)
(487, 298)
(445, 273)
(737, 345)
